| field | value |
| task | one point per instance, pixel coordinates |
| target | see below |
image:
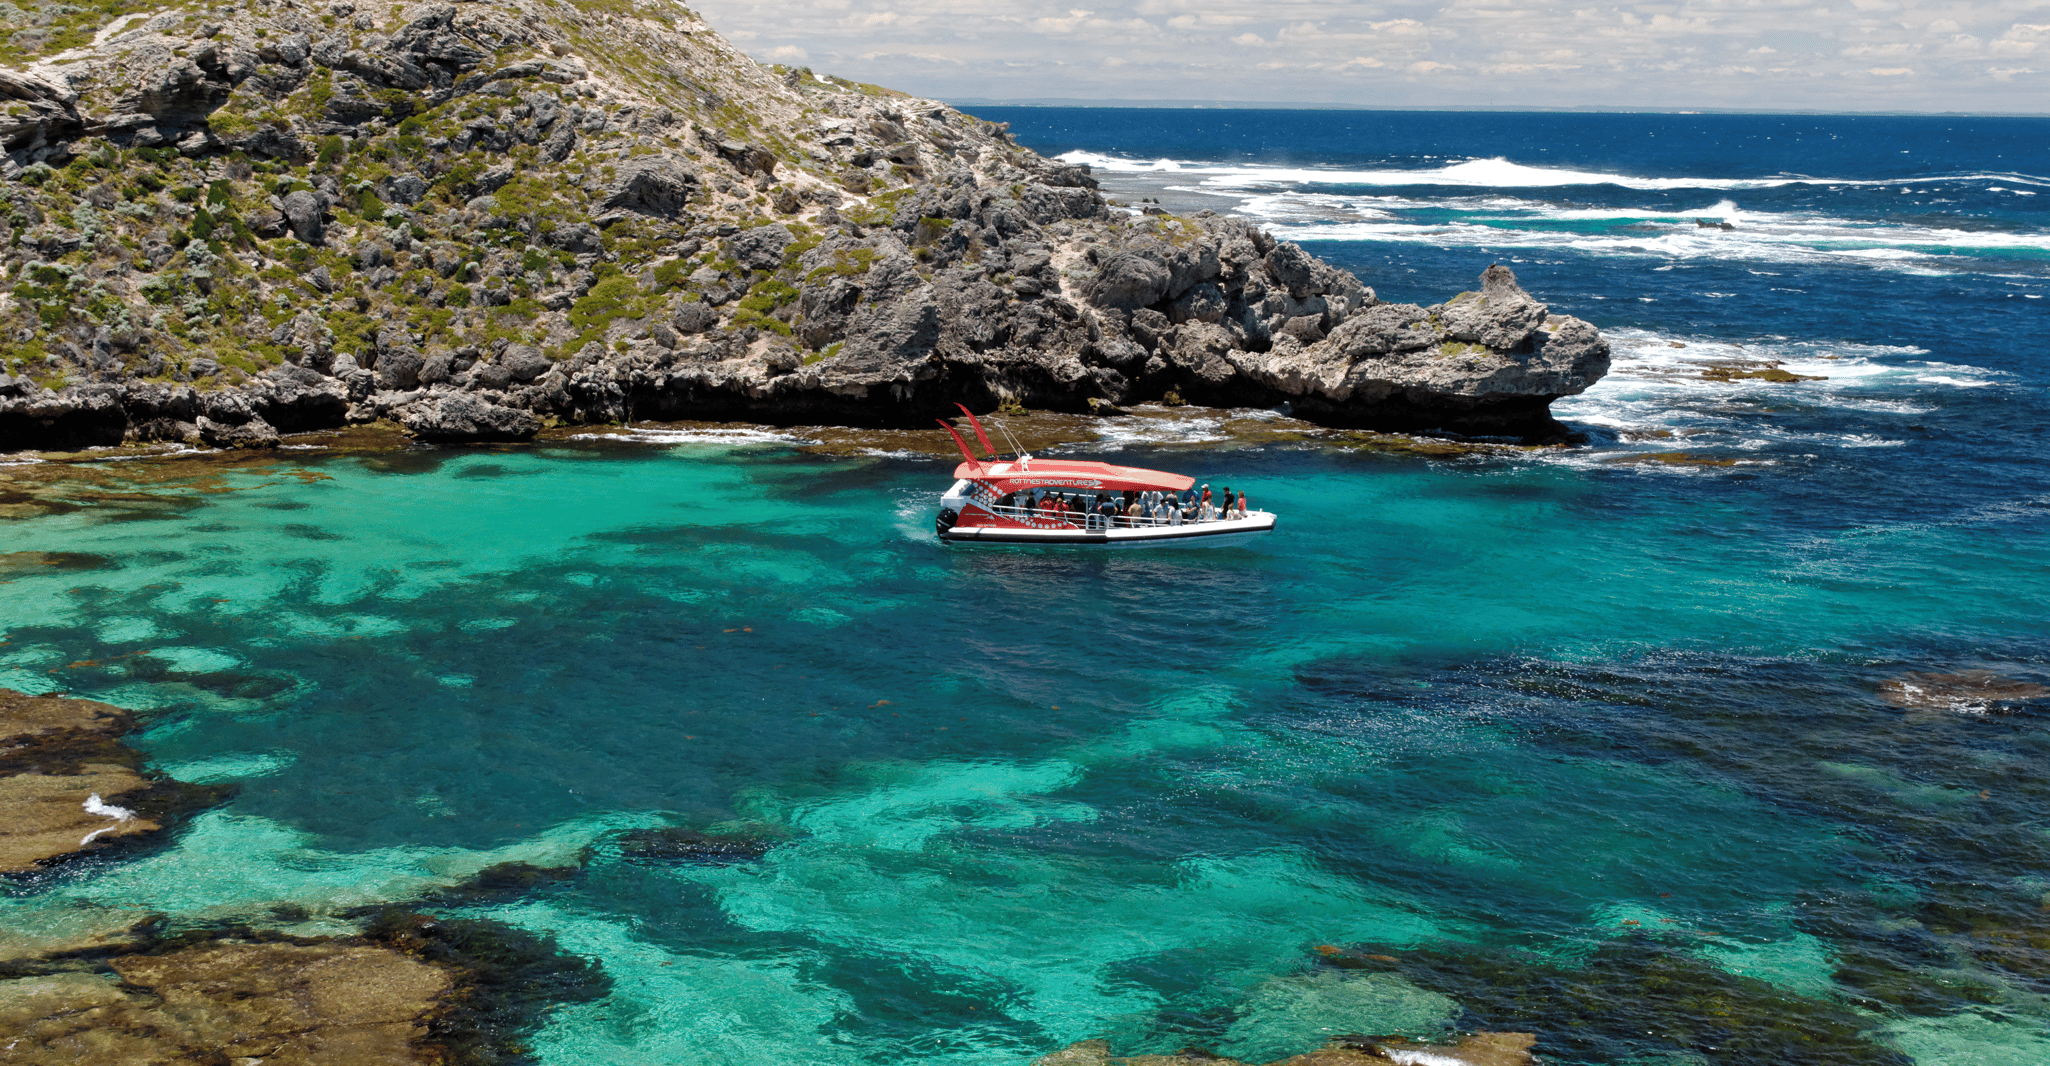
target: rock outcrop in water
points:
(1969, 690)
(474, 219)
(68, 785)
(1479, 1049)
(410, 990)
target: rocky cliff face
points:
(477, 218)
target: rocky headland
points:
(476, 220)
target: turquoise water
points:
(1587, 743)
(1537, 708)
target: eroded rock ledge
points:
(68, 785)
(411, 991)
(476, 220)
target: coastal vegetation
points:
(276, 219)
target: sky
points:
(1831, 55)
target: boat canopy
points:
(1008, 477)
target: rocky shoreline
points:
(479, 220)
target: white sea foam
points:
(1656, 398)
(1780, 240)
(1163, 429)
(1491, 173)
(95, 805)
(1305, 204)
(733, 436)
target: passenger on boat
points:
(1239, 507)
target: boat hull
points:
(1190, 535)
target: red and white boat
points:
(1013, 501)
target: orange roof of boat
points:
(1010, 476)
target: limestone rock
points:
(524, 362)
(760, 248)
(67, 779)
(651, 185)
(254, 433)
(344, 1005)
(305, 212)
(918, 257)
(455, 417)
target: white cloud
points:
(2021, 39)
(1854, 54)
(1074, 18)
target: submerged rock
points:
(1762, 370)
(1969, 690)
(32, 562)
(413, 989)
(1636, 997)
(302, 1003)
(1479, 1049)
(70, 786)
(674, 844)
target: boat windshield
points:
(1092, 508)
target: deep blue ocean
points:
(1593, 743)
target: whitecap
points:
(1494, 172)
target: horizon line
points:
(1258, 105)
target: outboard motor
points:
(947, 517)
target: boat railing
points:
(1092, 520)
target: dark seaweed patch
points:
(33, 562)
(1634, 999)
(504, 882)
(303, 531)
(508, 980)
(676, 844)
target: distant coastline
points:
(967, 102)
